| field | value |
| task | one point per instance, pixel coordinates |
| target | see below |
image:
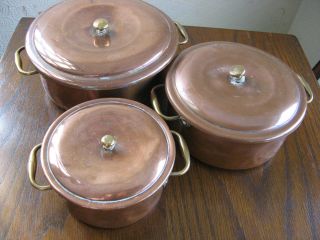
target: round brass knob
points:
(237, 75)
(101, 26)
(108, 142)
(237, 71)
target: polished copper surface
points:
(115, 218)
(227, 153)
(79, 164)
(67, 96)
(238, 103)
(270, 103)
(140, 42)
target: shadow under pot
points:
(110, 159)
(236, 104)
(87, 49)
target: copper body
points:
(234, 126)
(77, 65)
(66, 96)
(227, 153)
(108, 189)
(115, 218)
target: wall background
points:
(259, 15)
(306, 26)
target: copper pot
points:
(236, 104)
(87, 49)
(110, 159)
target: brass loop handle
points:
(183, 33)
(32, 169)
(307, 88)
(18, 62)
(185, 153)
(156, 105)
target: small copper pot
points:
(87, 49)
(236, 104)
(110, 159)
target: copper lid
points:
(236, 91)
(101, 43)
(108, 151)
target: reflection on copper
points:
(101, 41)
(49, 54)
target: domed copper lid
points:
(236, 91)
(102, 43)
(108, 151)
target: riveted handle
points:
(307, 88)
(156, 105)
(185, 154)
(32, 169)
(18, 62)
(183, 33)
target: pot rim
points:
(240, 136)
(106, 82)
(114, 204)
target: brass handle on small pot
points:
(32, 169)
(307, 88)
(183, 33)
(156, 105)
(18, 62)
(185, 153)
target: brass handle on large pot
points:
(307, 88)
(18, 62)
(156, 105)
(185, 153)
(32, 169)
(183, 33)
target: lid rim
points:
(108, 204)
(210, 128)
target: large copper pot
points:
(236, 104)
(87, 49)
(110, 159)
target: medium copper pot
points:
(236, 104)
(110, 159)
(87, 49)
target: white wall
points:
(260, 15)
(306, 26)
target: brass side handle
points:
(156, 105)
(32, 169)
(307, 88)
(18, 62)
(183, 33)
(185, 154)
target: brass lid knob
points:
(101, 26)
(237, 75)
(108, 142)
(237, 71)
